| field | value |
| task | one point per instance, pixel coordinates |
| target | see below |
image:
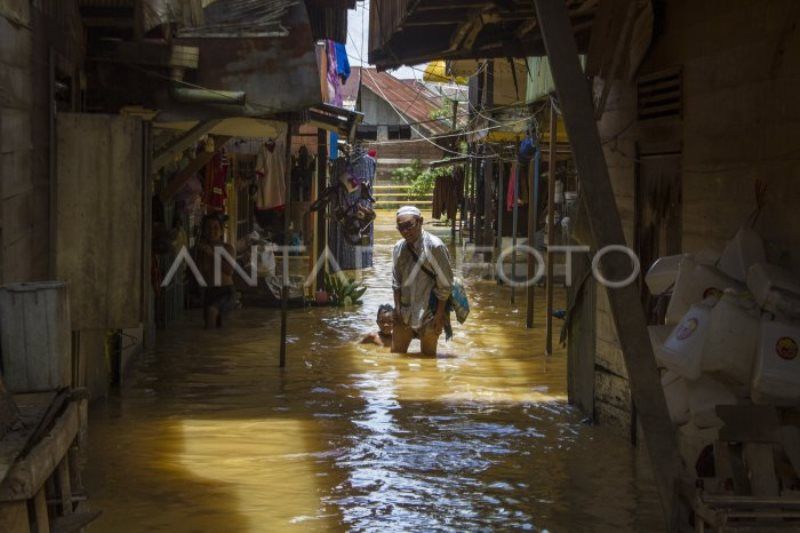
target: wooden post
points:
(514, 222)
(322, 182)
(501, 167)
(40, 512)
(287, 214)
(473, 178)
(551, 221)
(455, 125)
(64, 487)
(486, 226)
(533, 216)
(606, 226)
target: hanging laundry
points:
(362, 166)
(342, 62)
(448, 194)
(334, 81)
(216, 194)
(271, 175)
(513, 179)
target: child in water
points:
(385, 320)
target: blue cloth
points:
(334, 146)
(526, 150)
(342, 63)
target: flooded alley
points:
(210, 435)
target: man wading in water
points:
(422, 278)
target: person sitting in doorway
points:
(385, 320)
(220, 295)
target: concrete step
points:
(400, 196)
(389, 188)
(396, 205)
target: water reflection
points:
(211, 436)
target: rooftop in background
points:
(412, 100)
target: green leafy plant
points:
(344, 291)
(409, 173)
(423, 184)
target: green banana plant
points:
(344, 291)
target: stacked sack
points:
(731, 335)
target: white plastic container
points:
(705, 394)
(682, 352)
(677, 396)
(763, 279)
(732, 337)
(776, 373)
(744, 250)
(695, 283)
(662, 274)
(659, 334)
(35, 336)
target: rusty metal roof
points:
(412, 102)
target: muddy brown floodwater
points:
(209, 435)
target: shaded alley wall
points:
(740, 118)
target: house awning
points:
(336, 119)
(437, 72)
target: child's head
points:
(385, 319)
(212, 227)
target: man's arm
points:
(440, 260)
(397, 283)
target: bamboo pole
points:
(551, 230)
(533, 217)
(322, 181)
(287, 216)
(514, 222)
(499, 238)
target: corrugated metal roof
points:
(411, 101)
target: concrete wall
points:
(741, 120)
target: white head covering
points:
(409, 210)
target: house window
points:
(399, 132)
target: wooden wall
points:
(740, 123)
(33, 37)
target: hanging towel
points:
(271, 172)
(512, 183)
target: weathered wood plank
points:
(761, 464)
(576, 104)
(28, 475)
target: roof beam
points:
(180, 144)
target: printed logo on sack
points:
(786, 348)
(686, 329)
(712, 291)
